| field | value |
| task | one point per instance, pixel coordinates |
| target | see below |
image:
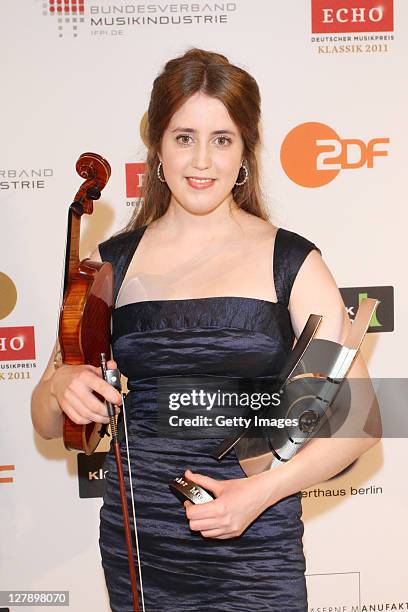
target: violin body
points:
(85, 326)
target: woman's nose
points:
(201, 157)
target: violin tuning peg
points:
(93, 193)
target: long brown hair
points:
(210, 73)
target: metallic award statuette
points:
(311, 383)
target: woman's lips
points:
(199, 183)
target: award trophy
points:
(309, 384)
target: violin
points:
(84, 324)
(84, 336)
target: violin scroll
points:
(96, 171)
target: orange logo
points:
(7, 468)
(312, 154)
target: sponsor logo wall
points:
(79, 76)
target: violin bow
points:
(113, 378)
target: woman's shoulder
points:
(288, 243)
(120, 244)
(117, 243)
(294, 244)
(123, 237)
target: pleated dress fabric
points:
(261, 570)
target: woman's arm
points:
(315, 291)
(46, 413)
(238, 502)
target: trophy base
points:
(184, 488)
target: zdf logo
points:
(312, 154)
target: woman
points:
(204, 284)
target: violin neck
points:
(72, 248)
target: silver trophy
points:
(314, 397)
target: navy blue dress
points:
(182, 571)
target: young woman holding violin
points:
(204, 284)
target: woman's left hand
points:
(238, 502)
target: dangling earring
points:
(246, 176)
(162, 180)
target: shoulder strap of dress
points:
(119, 251)
(290, 251)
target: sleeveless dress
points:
(182, 571)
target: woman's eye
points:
(183, 138)
(223, 140)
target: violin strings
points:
(61, 291)
(133, 504)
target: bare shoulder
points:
(315, 291)
(257, 228)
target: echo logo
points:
(312, 154)
(17, 343)
(135, 176)
(4, 469)
(344, 16)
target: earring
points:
(162, 180)
(246, 176)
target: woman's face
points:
(201, 151)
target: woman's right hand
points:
(72, 386)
